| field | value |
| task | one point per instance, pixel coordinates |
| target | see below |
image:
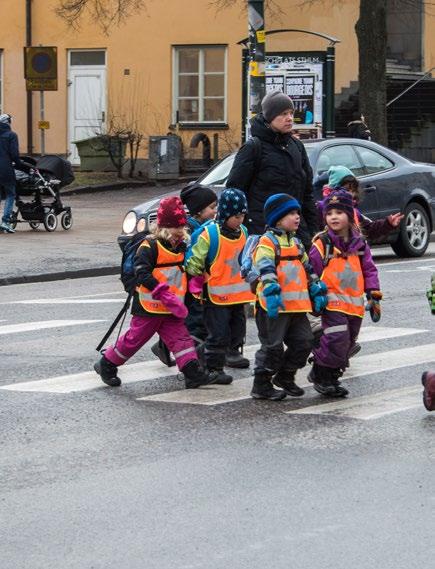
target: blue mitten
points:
(272, 296)
(318, 292)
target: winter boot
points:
(161, 351)
(325, 381)
(355, 349)
(286, 380)
(263, 388)
(194, 376)
(108, 372)
(428, 381)
(235, 359)
(219, 377)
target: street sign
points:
(44, 125)
(40, 68)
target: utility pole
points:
(257, 45)
(29, 93)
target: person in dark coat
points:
(9, 155)
(357, 128)
(275, 162)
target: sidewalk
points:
(89, 248)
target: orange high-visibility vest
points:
(292, 278)
(345, 281)
(168, 269)
(225, 284)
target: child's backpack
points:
(129, 251)
(213, 233)
(328, 247)
(195, 236)
(247, 269)
(128, 278)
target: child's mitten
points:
(272, 296)
(318, 292)
(373, 305)
(195, 285)
(171, 302)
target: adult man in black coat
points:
(8, 157)
(276, 162)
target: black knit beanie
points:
(197, 197)
(275, 103)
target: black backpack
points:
(128, 278)
(129, 250)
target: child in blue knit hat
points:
(287, 290)
(215, 274)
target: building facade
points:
(178, 62)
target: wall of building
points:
(143, 46)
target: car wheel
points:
(50, 222)
(414, 235)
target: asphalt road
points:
(152, 476)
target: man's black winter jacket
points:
(284, 168)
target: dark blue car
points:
(389, 183)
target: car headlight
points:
(141, 224)
(129, 223)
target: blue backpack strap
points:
(276, 244)
(213, 233)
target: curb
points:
(46, 277)
(125, 184)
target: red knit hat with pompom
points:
(171, 213)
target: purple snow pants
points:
(171, 330)
(340, 332)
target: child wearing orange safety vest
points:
(158, 303)
(287, 290)
(223, 290)
(342, 258)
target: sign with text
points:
(301, 90)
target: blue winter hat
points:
(337, 175)
(277, 206)
(231, 202)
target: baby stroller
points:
(38, 198)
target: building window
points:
(200, 84)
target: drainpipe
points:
(29, 93)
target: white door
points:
(86, 97)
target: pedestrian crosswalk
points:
(366, 407)
(42, 325)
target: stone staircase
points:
(410, 119)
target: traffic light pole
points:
(257, 45)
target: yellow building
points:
(176, 59)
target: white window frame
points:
(201, 74)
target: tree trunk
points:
(371, 31)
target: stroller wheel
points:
(34, 224)
(14, 220)
(50, 221)
(66, 220)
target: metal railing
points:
(410, 87)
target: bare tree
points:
(105, 13)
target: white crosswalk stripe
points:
(368, 406)
(70, 301)
(42, 325)
(240, 389)
(361, 366)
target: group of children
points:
(190, 290)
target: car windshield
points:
(218, 175)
